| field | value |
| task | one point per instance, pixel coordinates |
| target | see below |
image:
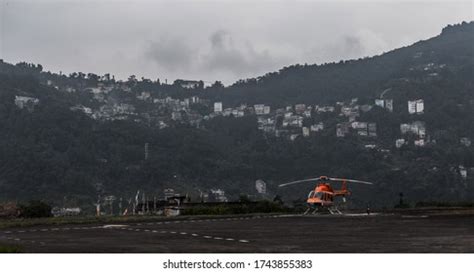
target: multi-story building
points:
(416, 106)
(465, 141)
(305, 131)
(259, 109)
(342, 129)
(217, 107)
(417, 127)
(399, 142)
(22, 102)
(317, 127)
(372, 129)
(300, 108)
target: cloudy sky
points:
(211, 39)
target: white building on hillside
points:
(22, 102)
(217, 107)
(416, 106)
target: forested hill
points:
(69, 138)
(364, 78)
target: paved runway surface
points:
(282, 233)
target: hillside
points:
(69, 138)
(367, 78)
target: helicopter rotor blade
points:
(351, 180)
(299, 181)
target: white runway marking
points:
(114, 226)
(192, 234)
(214, 220)
(414, 216)
(25, 241)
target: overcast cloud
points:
(211, 40)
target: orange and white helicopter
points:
(322, 197)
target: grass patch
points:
(221, 209)
(239, 208)
(10, 249)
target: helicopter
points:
(322, 197)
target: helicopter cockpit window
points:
(314, 194)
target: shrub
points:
(35, 209)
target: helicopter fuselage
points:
(323, 195)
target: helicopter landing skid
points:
(332, 211)
(309, 210)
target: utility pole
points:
(146, 150)
(135, 204)
(147, 206)
(125, 212)
(97, 206)
(111, 203)
(120, 206)
(143, 203)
